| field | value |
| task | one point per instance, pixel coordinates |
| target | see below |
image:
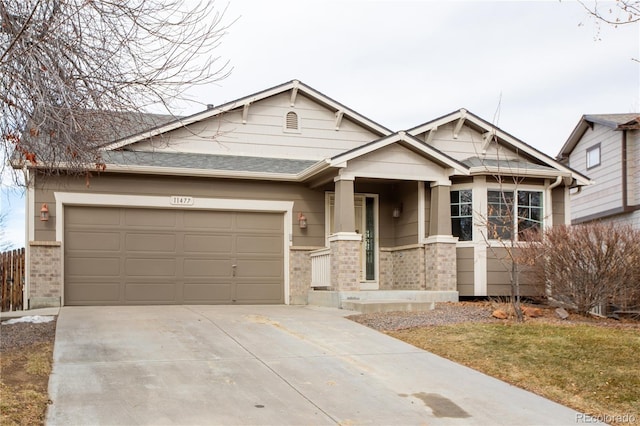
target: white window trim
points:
(594, 148)
(467, 187)
(151, 201)
(514, 188)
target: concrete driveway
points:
(267, 365)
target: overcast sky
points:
(532, 68)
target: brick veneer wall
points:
(386, 269)
(299, 275)
(345, 265)
(45, 274)
(408, 269)
(440, 266)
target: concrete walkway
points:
(264, 365)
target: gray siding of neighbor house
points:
(465, 270)
(310, 202)
(633, 166)
(606, 194)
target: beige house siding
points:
(264, 133)
(605, 194)
(558, 206)
(406, 226)
(469, 143)
(499, 275)
(310, 202)
(465, 270)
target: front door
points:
(366, 219)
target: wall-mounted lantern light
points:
(302, 221)
(397, 211)
(44, 213)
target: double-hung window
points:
(462, 215)
(513, 211)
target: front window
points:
(462, 215)
(500, 214)
(502, 220)
(593, 156)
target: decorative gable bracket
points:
(245, 112)
(460, 123)
(339, 115)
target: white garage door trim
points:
(151, 201)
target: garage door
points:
(118, 256)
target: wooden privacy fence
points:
(12, 273)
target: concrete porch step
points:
(373, 306)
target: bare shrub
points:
(585, 266)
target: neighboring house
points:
(606, 147)
(266, 198)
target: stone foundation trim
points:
(345, 236)
(446, 239)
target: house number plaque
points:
(179, 200)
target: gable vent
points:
(291, 121)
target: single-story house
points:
(288, 197)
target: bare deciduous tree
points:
(78, 73)
(619, 13)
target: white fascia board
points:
(519, 171)
(437, 123)
(363, 150)
(313, 170)
(309, 92)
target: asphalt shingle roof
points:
(207, 161)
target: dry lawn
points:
(25, 365)
(591, 368)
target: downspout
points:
(556, 183)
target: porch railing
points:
(320, 267)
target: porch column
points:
(440, 245)
(440, 217)
(344, 244)
(345, 212)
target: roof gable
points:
(494, 144)
(292, 89)
(410, 143)
(615, 122)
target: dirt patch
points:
(475, 312)
(26, 352)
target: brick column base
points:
(45, 274)
(345, 261)
(440, 264)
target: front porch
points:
(411, 278)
